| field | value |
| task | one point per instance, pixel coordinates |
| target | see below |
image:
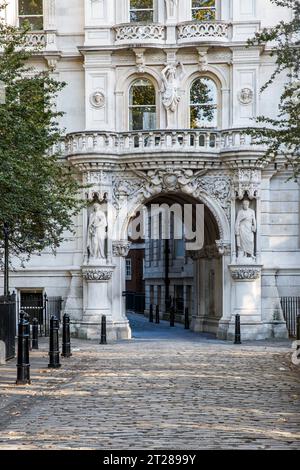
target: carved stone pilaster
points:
(121, 248)
(98, 274)
(245, 273)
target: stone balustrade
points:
(202, 31)
(159, 141)
(132, 33)
(36, 39)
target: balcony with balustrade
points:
(202, 31)
(186, 33)
(44, 41)
(138, 33)
(142, 145)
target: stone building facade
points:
(138, 130)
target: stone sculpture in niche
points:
(97, 233)
(245, 229)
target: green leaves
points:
(282, 134)
(38, 191)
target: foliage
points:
(39, 193)
(281, 135)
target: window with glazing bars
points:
(204, 10)
(141, 11)
(31, 12)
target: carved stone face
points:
(97, 207)
(246, 96)
(97, 99)
(246, 204)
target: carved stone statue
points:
(97, 232)
(170, 90)
(245, 228)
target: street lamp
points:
(6, 267)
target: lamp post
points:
(6, 258)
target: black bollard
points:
(186, 319)
(298, 331)
(172, 316)
(157, 319)
(237, 336)
(151, 314)
(23, 366)
(66, 342)
(35, 334)
(27, 319)
(103, 330)
(54, 344)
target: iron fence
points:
(291, 309)
(42, 309)
(8, 324)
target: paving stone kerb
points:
(165, 389)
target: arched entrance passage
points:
(174, 276)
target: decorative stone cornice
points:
(98, 274)
(246, 182)
(245, 273)
(121, 248)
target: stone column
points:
(97, 299)
(200, 290)
(272, 313)
(246, 269)
(246, 302)
(122, 328)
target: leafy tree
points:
(282, 134)
(38, 191)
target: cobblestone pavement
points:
(165, 389)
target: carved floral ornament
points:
(243, 273)
(121, 248)
(246, 182)
(97, 274)
(141, 185)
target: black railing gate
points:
(8, 324)
(291, 308)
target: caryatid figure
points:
(170, 91)
(97, 232)
(245, 228)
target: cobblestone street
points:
(165, 389)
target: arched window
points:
(142, 105)
(204, 10)
(141, 11)
(203, 104)
(32, 12)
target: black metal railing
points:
(291, 308)
(8, 324)
(42, 309)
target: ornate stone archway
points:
(136, 188)
(125, 192)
